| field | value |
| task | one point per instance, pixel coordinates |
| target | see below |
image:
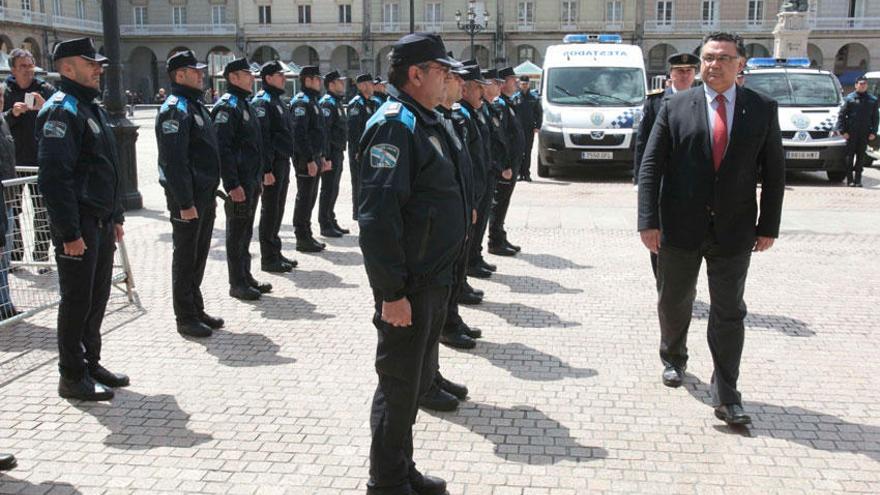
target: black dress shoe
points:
(478, 272)
(474, 333)
(458, 390)
(106, 377)
(244, 293)
(501, 250)
(337, 227)
(457, 340)
(261, 288)
(84, 389)
(308, 245)
(673, 376)
(488, 266)
(437, 399)
(7, 462)
(330, 231)
(292, 263)
(211, 321)
(194, 329)
(732, 414)
(512, 246)
(469, 288)
(276, 267)
(469, 299)
(424, 484)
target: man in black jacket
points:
(277, 131)
(243, 163)
(189, 170)
(310, 156)
(360, 109)
(709, 148)
(857, 121)
(337, 136)
(530, 115)
(7, 171)
(413, 220)
(79, 177)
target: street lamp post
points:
(471, 26)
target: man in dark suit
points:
(697, 199)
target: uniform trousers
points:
(306, 197)
(272, 212)
(354, 170)
(856, 158)
(330, 191)
(503, 192)
(484, 207)
(239, 232)
(525, 171)
(191, 240)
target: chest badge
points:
(436, 142)
(199, 121)
(94, 127)
(246, 115)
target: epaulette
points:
(301, 97)
(462, 110)
(354, 101)
(228, 99)
(535, 93)
(500, 101)
(392, 110)
(262, 95)
(63, 100)
(173, 101)
(328, 98)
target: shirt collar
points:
(729, 94)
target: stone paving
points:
(565, 388)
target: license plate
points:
(597, 155)
(802, 155)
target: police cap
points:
(417, 48)
(506, 72)
(309, 71)
(683, 60)
(460, 70)
(185, 58)
(472, 73)
(237, 65)
(523, 78)
(364, 78)
(79, 47)
(332, 76)
(272, 67)
(490, 74)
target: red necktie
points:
(719, 132)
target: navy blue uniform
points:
(242, 163)
(277, 130)
(530, 115)
(189, 170)
(515, 148)
(309, 146)
(858, 117)
(79, 178)
(360, 109)
(485, 173)
(337, 137)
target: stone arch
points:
(143, 72)
(382, 63)
(33, 46)
(346, 60)
(814, 53)
(657, 57)
(756, 50)
(5, 47)
(263, 54)
(480, 53)
(217, 58)
(527, 52)
(306, 55)
(852, 56)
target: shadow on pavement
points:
(344, 258)
(143, 422)
(527, 363)
(348, 240)
(149, 214)
(520, 315)
(9, 484)
(319, 279)
(288, 308)
(593, 175)
(524, 284)
(522, 434)
(550, 262)
(241, 350)
(785, 325)
(806, 427)
(25, 337)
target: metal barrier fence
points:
(28, 277)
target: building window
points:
(614, 12)
(569, 12)
(305, 14)
(664, 13)
(218, 14)
(391, 14)
(56, 7)
(26, 5)
(265, 14)
(345, 13)
(756, 12)
(140, 16)
(525, 13)
(524, 53)
(433, 13)
(178, 16)
(710, 12)
(81, 9)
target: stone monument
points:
(792, 30)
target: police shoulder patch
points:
(54, 129)
(354, 110)
(261, 111)
(170, 127)
(171, 100)
(392, 109)
(299, 111)
(326, 112)
(221, 117)
(384, 156)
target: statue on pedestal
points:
(795, 6)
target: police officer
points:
(510, 126)
(242, 167)
(189, 170)
(857, 121)
(79, 177)
(310, 156)
(337, 137)
(360, 109)
(413, 218)
(379, 94)
(530, 115)
(277, 131)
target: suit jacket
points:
(649, 115)
(679, 190)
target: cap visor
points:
(97, 58)
(449, 62)
(199, 66)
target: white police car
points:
(592, 94)
(874, 89)
(809, 101)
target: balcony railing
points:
(294, 28)
(8, 14)
(569, 26)
(77, 24)
(691, 26)
(24, 16)
(177, 29)
(844, 23)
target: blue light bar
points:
(610, 38)
(778, 62)
(575, 38)
(586, 38)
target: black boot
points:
(211, 321)
(437, 399)
(194, 328)
(106, 377)
(458, 390)
(261, 288)
(7, 462)
(83, 389)
(337, 227)
(292, 263)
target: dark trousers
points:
(354, 169)
(453, 318)
(479, 231)
(306, 196)
(404, 361)
(191, 243)
(239, 232)
(500, 205)
(85, 288)
(330, 191)
(856, 158)
(525, 170)
(677, 272)
(272, 213)
(42, 235)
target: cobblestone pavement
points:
(565, 387)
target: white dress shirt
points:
(712, 107)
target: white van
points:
(874, 89)
(809, 102)
(592, 95)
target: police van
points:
(592, 94)
(809, 101)
(874, 89)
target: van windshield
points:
(874, 87)
(596, 86)
(792, 89)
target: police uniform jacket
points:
(189, 156)
(276, 127)
(649, 114)
(498, 147)
(513, 130)
(242, 159)
(413, 214)
(858, 115)
(309, 136)
(335, 123)
(456, 125)
(7, 170)
(23, 126)
(76, 152)
(469, 119)
(379, 99)
(360, 109)
(528, 110)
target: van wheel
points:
(836, 176)
(543, 170)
